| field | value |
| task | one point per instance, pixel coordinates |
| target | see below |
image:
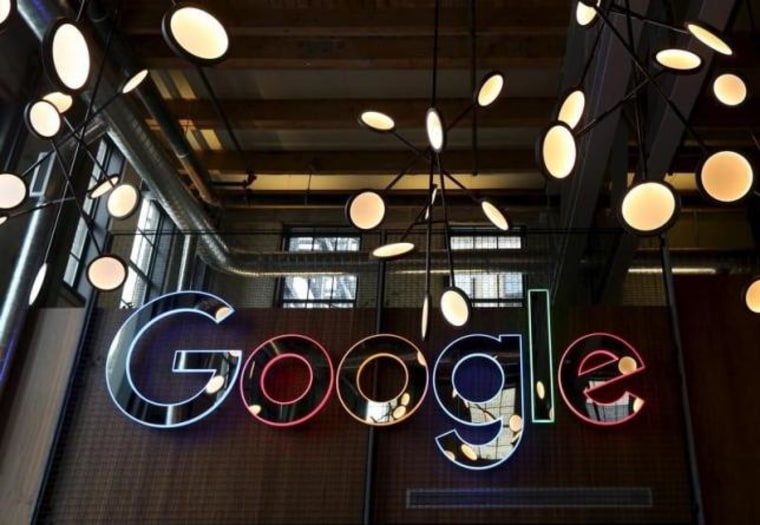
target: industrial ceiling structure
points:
(299, 73)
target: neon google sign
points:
(590, 364)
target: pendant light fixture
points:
(13, 191)
(123, 201)
(66, 56)
(730, 89)
(366, 210)
(194, 33)
(7, 10)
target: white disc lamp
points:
(7, 8)
(106, 272)
(377, 121)
(61, 101)
(678, 60)
(365, 210)
(67, 56)
(572, 107)
(195, 34)
(585, 13)
(556, 151)
(393, 250)
(649, 208)
(752, 296)
(434, 128)
(123, 201)
(103, 187)
(730, 89)
(494, 215)
(455, 306)
(42, 119)
(39, 280)
(725, 177)
(490, 89)
(134, 81)
(709, 37)
(425, 318)
(13, 191)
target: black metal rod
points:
(416, 221)
(617, 10)
(70, 186)
(369, 471)
(447, 234)
(402, 172)
(648, 75)
(670, 294)
(429, 234)
(459, 117)
(473, 84)
(228, 126)
(607, 112)
(638, 117)
(89, 153)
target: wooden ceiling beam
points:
(295, 52)
(390, 162)
(343, 113)
(253, 19)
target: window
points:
(141, 257)
(81, 250)
(487, 288)
(333, 290)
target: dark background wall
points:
(720, 339)
(229, 468)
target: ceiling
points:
(299, 72)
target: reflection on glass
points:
(283, 413)
(223, 364)
(478, 383)
(588, 369)
(403, 404)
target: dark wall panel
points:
(720, 339)
(230, 469)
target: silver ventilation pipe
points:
(138, 144)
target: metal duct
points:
(139, 145)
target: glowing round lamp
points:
(571, 110)
(556, 151)
(3, 218)
(494, 215)
(13, 191)
(455, 306)
(42, 119)
(365, 210)
(377, 121)
(393, 250)
(490, 89)
(66, 55)
(425, 318)
(725, 177)
(106, 273)
(222, 313)
(585, 13)
(123, 201)
(134, 81)
(678, 59)
(215, 384)
(195, 34)
(752, 296)
(61, 101)
(627, 365)
(730, 90)
(7, 8)
(103, 187)
(540, 390)
(39, 280)
(709, 37)
(434, 127)
(515, 423)
(649, 208)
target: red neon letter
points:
(588, 367)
